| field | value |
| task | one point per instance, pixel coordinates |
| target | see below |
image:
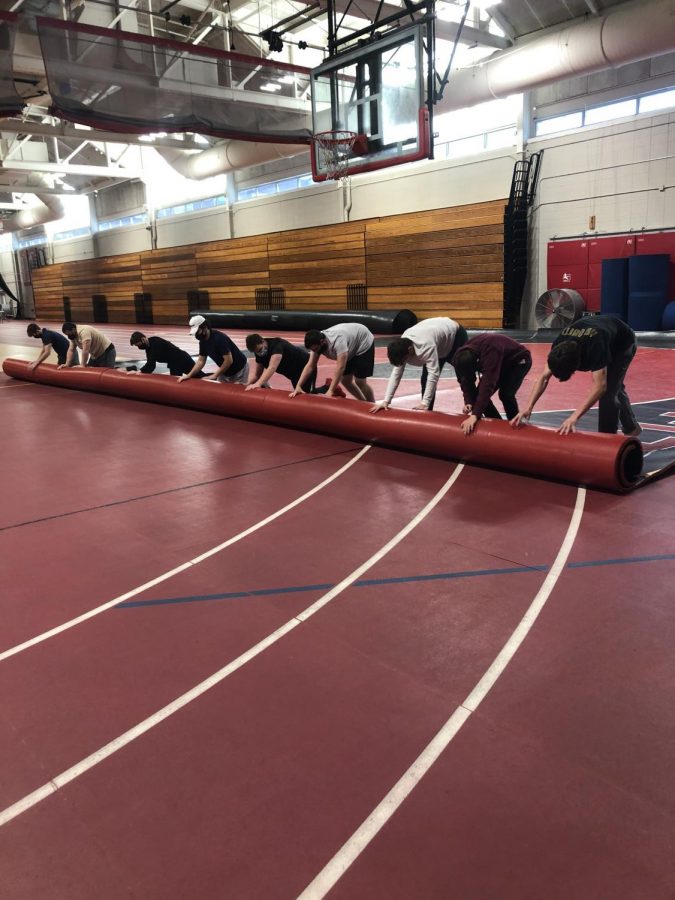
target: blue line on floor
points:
(407, 579)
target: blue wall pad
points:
(614, 288)
(645, 310)
(649, 272)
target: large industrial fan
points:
(558, 308)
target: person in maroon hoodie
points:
(489, 363)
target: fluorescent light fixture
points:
(271, 88)
(286, 79)
(200, 139)
(149, 138)
(486, 4)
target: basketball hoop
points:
(334, 152)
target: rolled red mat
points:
(612, 462)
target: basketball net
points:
(334, 152)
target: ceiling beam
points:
(65, 131)
(70, 169)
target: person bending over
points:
(485, 364)
(352, 346)
(158, 349)
(97, 350)
(430, 344)
(50, 340)
(277, 355)
(231, 362)
(604, 346)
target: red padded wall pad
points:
(612, 462)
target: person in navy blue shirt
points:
(231, 362)
(51, 339)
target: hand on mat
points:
(182, 378)
(468, 425)
(213, 377)
(252, 387)
(568, 426)
(521, 419)
(297, 391)
(378, 407)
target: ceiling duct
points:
(622, 35)
(49, 209)
(226, 157)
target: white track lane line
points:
(357, 843)
(38, 639)
(46, 790)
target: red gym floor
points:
(240, 661)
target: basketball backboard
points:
(378, 91)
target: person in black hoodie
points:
(605, 347)
(158, 349)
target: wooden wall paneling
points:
(231, 270)
(48, 292)
(474, 305)
(119, 278)
(168, 275)
(436, 262)
(80, 283)
(432, 220)
(314, 265)
(440, 262)
(170, 312)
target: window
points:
(610, 111)
(39, 241)
(275, 187)
(560, 123)
(264, 190)
(193, 206)
(466, 146)
(73, 233)
(654, 102)
(123, 222)
(288, 184)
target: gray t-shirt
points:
(352, 339)
(432, 340)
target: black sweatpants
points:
(614, 405)
(507, 387)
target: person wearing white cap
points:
(231, 362)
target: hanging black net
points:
(10, 101)
(134, 84)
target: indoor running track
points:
(350, 621)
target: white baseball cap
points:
(195, 323)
